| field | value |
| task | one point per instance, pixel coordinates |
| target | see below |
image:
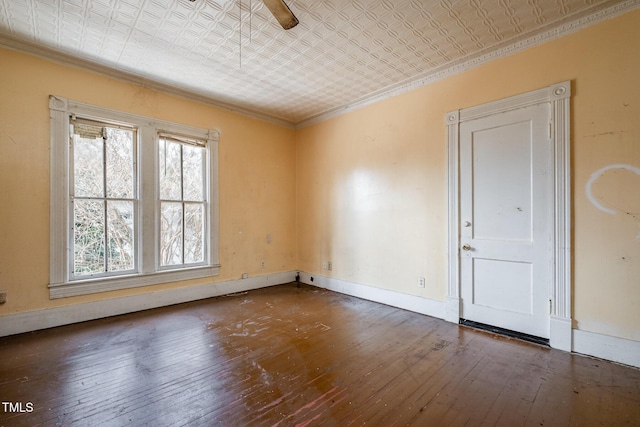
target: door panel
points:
(506, 197)
(510, 290)
(501, 192)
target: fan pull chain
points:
(240, 20)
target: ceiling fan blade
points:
(282, 13)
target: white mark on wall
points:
(596, 175)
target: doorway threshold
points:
(505, 332)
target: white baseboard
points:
(452, 309)
(48, 318)
(589, 343)
(607, 347)
(560, 333)
(413, 303)
(562, 336)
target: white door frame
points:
(558, 95)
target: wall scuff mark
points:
(597, 175)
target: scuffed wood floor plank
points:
(304, 356)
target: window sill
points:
(93, 286)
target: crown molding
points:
(550, 32)
(24, 46)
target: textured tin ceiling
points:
(343, 52)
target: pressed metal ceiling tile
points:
(342, 52)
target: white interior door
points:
(506, 214)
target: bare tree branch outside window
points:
(182, 202)
(103, 199)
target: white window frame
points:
(182, 139)
(135, 199)
(61, 281)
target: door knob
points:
(466, 248)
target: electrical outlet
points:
(330, 266)
(269, 239)
(325, 265)
(421, 282)
(261, 264)
(3, 297)
(245, 276)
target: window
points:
(133, 200)
(104, 198)
(182, 201)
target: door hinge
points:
(550, 306)
(550, 129)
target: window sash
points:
(181, 200)
(99, 129)
(183, 233)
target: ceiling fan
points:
(281, 12)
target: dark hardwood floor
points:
(303, 356)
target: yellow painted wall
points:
(371, 190)
(366, 190)
(256, 180)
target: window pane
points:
(171, 233)
(193, 233)
(120, 163)
(121, 236)
(170, 170)
(88, 173)
(88, 234)
(193, 172)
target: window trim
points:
(149, 273)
